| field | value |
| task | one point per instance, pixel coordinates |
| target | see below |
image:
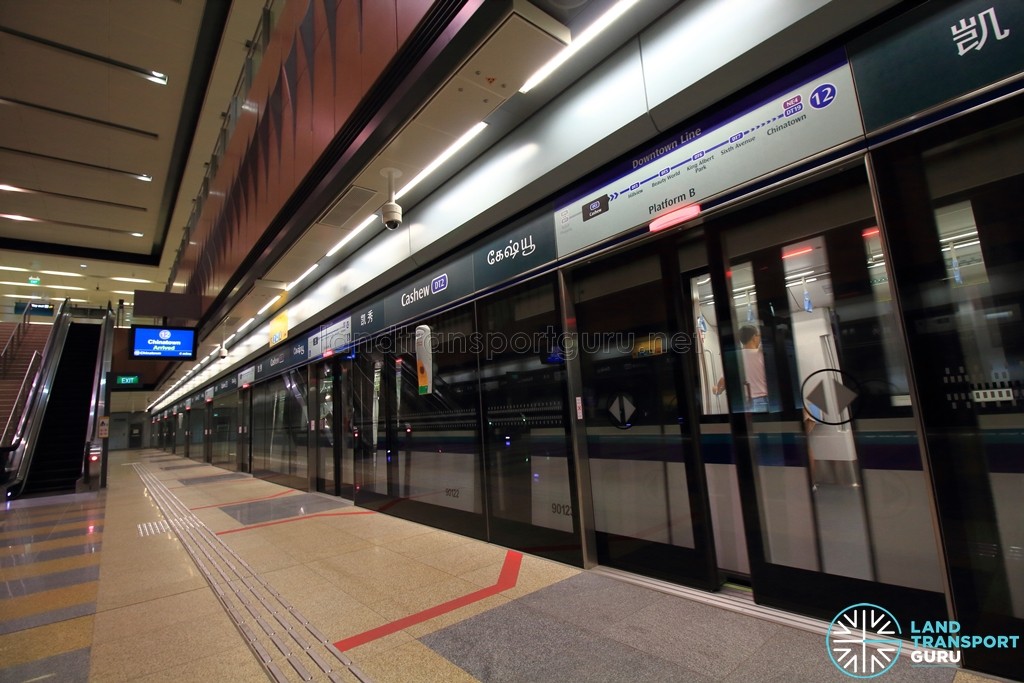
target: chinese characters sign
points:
(934, 54)
(972, 32)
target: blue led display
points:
(168, 343)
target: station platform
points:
(182, 571)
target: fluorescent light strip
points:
(970, 233)
(61, 273)
(14, 268)
(345, 240)
(962, 245)
(268, 305)
(131, 279)
(302, 277)
(246, 324)
(591, 32)
(442, 157)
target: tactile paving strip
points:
(274, 630)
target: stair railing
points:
(14, 341)
(19, 400)
(16, 459)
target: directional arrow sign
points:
(622, 409)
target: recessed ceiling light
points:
(12, 188)
(130, 279)
(144, 177)
(84, 266)
(137, 234)
(23, 296)
(17, 217)
(14, 268)
(77, 289)
(122, 291)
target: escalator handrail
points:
(97, 403)
(18, 457)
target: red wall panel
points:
(322, 57)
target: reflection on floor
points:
(207, 576)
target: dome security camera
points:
(391, 215)
(391, 212)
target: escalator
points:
(57, 461)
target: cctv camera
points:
(223, 352)
(391, 214)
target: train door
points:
(525, 422)
(323, 390)
(953, 200)
(647, 483)
(244, 454)
(419, 451)
(707, 360)
(180, 434)
(835, 496)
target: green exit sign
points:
(128, 379)
(33, 279)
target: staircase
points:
(11, 376)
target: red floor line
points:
(247, 500)
(507, 579)
(295, 519)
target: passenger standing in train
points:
(755, 380)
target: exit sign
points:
(128, 379)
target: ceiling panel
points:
(161, 35)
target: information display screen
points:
(166, 343)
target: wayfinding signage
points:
(514, 252)
(174, 343)
(935, 53)
(336, 335)
(812, 110)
